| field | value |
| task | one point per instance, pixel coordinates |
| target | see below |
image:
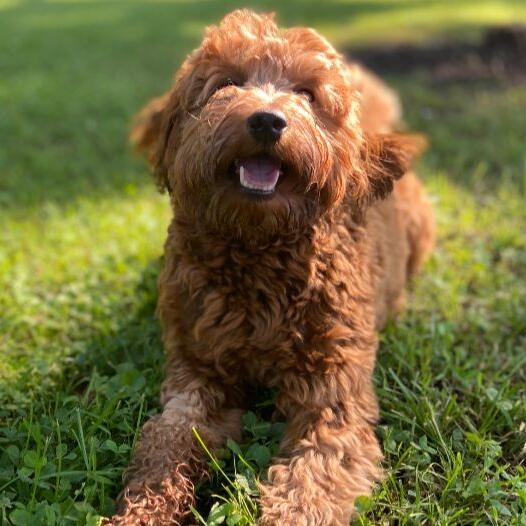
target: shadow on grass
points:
(136, 340)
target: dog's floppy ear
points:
(151, 130)
(387, 157)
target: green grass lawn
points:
(81, 235)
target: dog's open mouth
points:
(259, 174)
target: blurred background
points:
(82, 229)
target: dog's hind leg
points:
(168, 461)
(417, 213)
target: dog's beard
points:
(254, 199)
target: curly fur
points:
(286, 291)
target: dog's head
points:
(261, 133)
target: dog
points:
(293, 236)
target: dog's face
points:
(260, 133)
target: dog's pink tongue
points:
(259, 173)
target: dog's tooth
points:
(243, 179)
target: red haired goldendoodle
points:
(292, 238)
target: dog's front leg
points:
(329, 456)
(168, 460)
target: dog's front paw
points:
(166, 503)
(294, 505)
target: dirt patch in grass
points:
(500, 55)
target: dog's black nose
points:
(266, 126)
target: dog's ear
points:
(151, 130)
(387, 157)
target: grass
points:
(82, 234)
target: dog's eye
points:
(307, 93)
(225, 83)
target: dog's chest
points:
(249, 307)
(256, 314)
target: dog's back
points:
(380, 107)
(401, 227)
